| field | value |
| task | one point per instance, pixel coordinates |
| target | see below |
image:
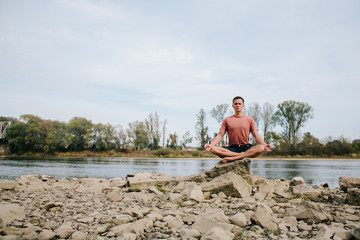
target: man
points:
(238, 128)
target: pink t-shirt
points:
(238, 129)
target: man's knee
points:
(260, 148)
(214, 149)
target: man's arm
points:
(260, 140)
(216, 140)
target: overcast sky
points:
(117, 61)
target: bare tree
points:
(202, 129)
(219, 113)
(268, 120)
(164, 132)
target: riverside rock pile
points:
(227, 202)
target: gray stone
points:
(240, 167)
(230, 183)
(305, 212)
(349, 182)
(217, 233)
(193, 192)
(8, 185)
(79, 235)
(296, 181)
(264, 217)
(353, 196)
(239, 219)
(46, 235)
(64, 230)
(10, 212)
(189, 233)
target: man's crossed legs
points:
(229, 156)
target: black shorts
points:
(239, 148)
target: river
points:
(315, 172)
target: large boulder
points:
(353, 196)
(240, 167)
(230, 183)
(349, 182)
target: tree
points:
(153, 128)
(254, 111)
(218, 113)
(56, 138)
(202, 129)
(173, 139)
(310, 145)
(121, 138)
(79, 133)
(138, 135)
(16, 138)
(268, 120)
(292, 115)
(36, 132)
(104, 137)
(186, 139)
(164, 132)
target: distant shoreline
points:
(194, 158)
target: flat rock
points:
(240, 167)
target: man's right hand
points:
(207, 147)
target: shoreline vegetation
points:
(168, 154)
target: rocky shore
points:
(226, 202)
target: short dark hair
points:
(238, 97)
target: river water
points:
(315, 172)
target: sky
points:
(118, 61)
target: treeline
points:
(31, 133)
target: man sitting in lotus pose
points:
(238, 128)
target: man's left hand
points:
(268, 147)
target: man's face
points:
(238, 105)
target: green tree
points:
(202, 129)
(138, 135)
(36, 132)
(292, 115)
(15, 137)
(186, 139)
(104, 137)
(153, 125)
(56, 137)
(310, 145)
(173, 140)
(79, 133)
(338, 147)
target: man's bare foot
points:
(230, 159)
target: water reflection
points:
(314, 172)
